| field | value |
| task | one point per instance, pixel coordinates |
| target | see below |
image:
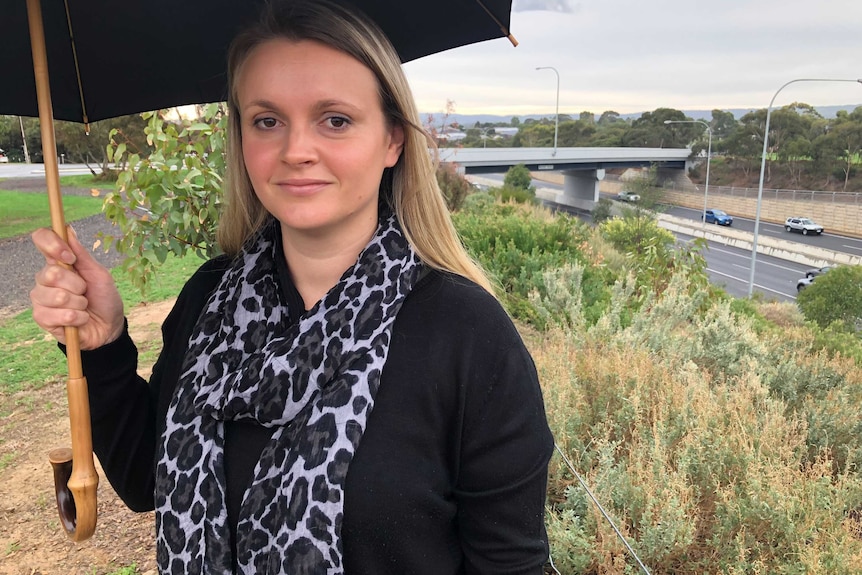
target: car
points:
(4, 159)
(804, 225)
(814, 272)
(627, 196)
(804, 283)
(719, 217)
(810, 276)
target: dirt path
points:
(31, 539)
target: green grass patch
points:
(31, 358)
(127, 570)
(86, 181)
(5, 460)
(24, 212)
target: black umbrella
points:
(138, 55)
(108, 59)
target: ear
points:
(396, 145)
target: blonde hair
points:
(410, 187)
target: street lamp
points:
(485, 136)
(763, 169)
(557, 117)
(708, 157)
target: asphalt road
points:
(827, 241)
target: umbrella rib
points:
(77, 69)
(500, 24)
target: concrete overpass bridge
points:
(583, 168)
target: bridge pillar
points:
(581, 188)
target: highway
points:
(728, 267)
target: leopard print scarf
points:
(313, 382)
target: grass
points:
(128, 570)
(85, 181)
(31, 359)
(24, 212)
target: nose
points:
(299, 145)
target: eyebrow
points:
(318, 106)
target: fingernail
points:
(71, 229)
(67, 257)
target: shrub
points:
(454, 186)
(519, 177)
(836, 296)
(602, 211)
(508, 193)
(517, 244)
(714, 449)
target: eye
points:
(337, 122)
(265, 123)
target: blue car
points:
(718, 217)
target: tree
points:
(835, 299)
(841, 145)
(167, 202)
(609, 117)
(579, 133)
(12, 142)
(650, 130)
(723, 124)
(519, 177)
(647, 187)
(88, 148)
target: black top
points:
(451, 472)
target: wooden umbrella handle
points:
(82, 480)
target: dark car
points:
(804, 225)
(814, 272)
(719, 217)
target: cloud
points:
(544, 5)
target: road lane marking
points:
(746, 282)
(764, 262)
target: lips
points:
(301, 187)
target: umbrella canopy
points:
(138, 55)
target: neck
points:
(316, 264)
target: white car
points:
(4, 159)
(804, 225)
(628, 196)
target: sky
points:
(633, 56)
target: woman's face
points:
(314, 138)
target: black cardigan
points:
(451, 473)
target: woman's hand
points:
(85, 296)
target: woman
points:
(339, 392)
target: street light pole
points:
(24, 138)
(557, 115)
(708, 158)
(763, 169)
